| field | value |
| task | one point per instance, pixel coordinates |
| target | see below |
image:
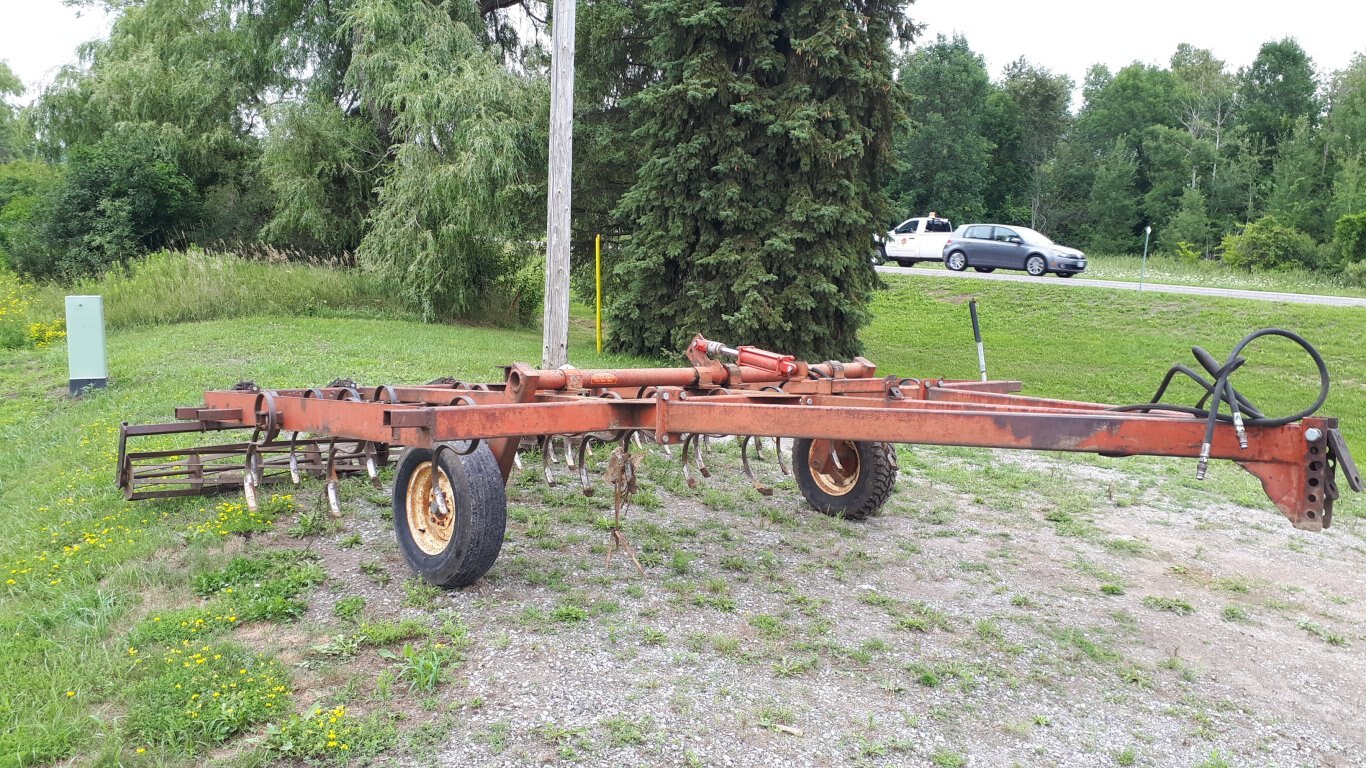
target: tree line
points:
(736, 153)
(1262, 166)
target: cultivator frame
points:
(842, 415)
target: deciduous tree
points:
(943, 158)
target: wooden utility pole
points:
(555, 347)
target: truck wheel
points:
(454, 541)
(855, 487)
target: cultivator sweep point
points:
(460, 441)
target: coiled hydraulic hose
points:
(1221, 391)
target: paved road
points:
(1230, 293)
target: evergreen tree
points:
(1301, 185)
(1189, 226)
(1114, 200)
(1349, 188)
(767, 140)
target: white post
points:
(1143, 270)
(555, 347)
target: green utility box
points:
(85, 343)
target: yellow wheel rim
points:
(834, 478)
(430, 526)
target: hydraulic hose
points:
(1221, 390)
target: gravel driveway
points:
(1006, 609)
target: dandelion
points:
(69, 694)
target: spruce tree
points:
(767, 141)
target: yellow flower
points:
(70, 693)
(141, 750)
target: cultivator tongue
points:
(840, 417)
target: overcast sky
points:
(38, 36)
(1066, 36)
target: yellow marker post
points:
(597, 250)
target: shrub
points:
(1187, 253)
(1355, 274)
(120, 197)
(22, 185)
(1268, 244)
(1349, 235)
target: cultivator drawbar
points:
(460, 441)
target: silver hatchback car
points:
(988, 247)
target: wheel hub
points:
(834, 465)
(431, 516)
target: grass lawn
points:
(107, 608)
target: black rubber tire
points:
(1066, 274)
(985, 270)
(1036, 266)
(867, 494)
(957, 265)
(481, 516)
(904, 262)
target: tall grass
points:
(178, 287)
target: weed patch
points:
(188, 697)
(329, 734)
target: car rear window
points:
(938, 225)
(979, 233)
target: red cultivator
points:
(462, 440)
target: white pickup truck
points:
(918, 239)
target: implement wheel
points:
(453, 540)
(853, 483)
